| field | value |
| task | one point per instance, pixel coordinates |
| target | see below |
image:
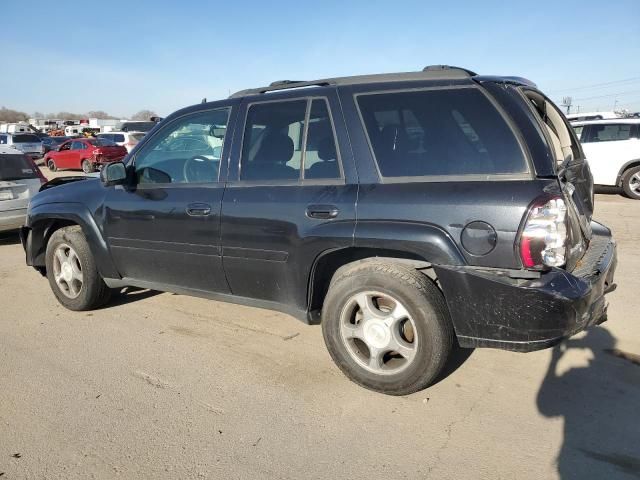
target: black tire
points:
(51, 165)
(425, 304)
(87, 166)
(94, 292)
(631, 183)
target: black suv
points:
(404, 212)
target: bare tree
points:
(8, 115)
(144, 115)
(99, 114)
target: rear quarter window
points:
(439, 133)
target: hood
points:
(67, 189)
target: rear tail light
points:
(543, 240)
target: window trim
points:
(239, 182)
(473, 177)
(131, 163)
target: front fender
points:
(45, 218)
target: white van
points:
(612, 149)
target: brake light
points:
(543, 240)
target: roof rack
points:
(431, 72)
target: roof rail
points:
(431, 72)
(431, 68)
(281, 85)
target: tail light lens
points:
(543, 240)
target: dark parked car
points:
(405, 212)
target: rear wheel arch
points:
(630, 164)
(329, 263)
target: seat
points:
(327, 167)
(270, 162)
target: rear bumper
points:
(489, 308)
(12, 219)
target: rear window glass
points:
(608, 133)
(26, 138)
(16, 167)
(439, 132)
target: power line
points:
(608, 95)
(585, 87)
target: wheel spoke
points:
(398, 313)
(368, 309)
(353, 331)
(407, 350)
(375, 358)
(62, 258)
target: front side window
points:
(274, 145)
(439, 133)
(608, 133)
(187, 150)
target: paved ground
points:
(167, 386)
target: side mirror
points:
(113, 174)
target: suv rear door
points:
(290, 197)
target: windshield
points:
(102, 142)
(26, 138)
(16, 167)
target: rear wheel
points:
(386, 326)
(87, 166)
(72, 272)
(631, 183)
(51, 165)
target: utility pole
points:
(566, 102)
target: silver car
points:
(27, 143)
(20, 180)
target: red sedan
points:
(84, 154)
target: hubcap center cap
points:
(377, 334)
(67, 272)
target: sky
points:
(122, 57)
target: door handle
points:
(322, 211)
(198, 209)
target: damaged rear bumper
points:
(491, 308)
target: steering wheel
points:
(200, 169)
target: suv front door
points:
(164, 228)
(290, 197)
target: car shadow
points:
(9, 238)
(129, 295)
(600, 406)
(457, 357)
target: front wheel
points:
(386, 326)
(631, 183)
(72, 272)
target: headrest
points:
(276, 148)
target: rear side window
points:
(3, 139)
(274, 145)
(26, 138)
(439, 133)
(607, 133)
(118, 137)
(16, 167)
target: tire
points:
(51, 165)
(69, 244)
(87, 166)
(386, 286)
(631, 183)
